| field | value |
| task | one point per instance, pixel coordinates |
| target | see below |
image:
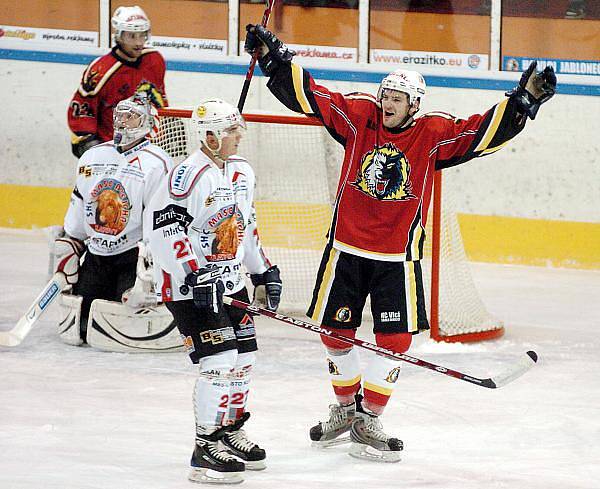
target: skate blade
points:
(331, 443)
(367, 452)
(209, 476)
(254, 464)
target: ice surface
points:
(75, 418)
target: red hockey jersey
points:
(386, 178)
(105, 82)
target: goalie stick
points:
(250, 72)
(499, 380)
(38, 307)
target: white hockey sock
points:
(344, 372)
(240, 384)
(211, 392)
(378, 383)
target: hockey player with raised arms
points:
(375, 241)
(203, 229)
(128, 68)
(115, 182)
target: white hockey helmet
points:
(217, 117)
(406, 81)
(133, 119)
(129, 19)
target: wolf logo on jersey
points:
(384, 174)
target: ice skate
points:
(237, 444)
(212, 464)
(329, 433)
(370, 442)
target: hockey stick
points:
(250, 72)
(503, 378)
(35, 311)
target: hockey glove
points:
(267, 288)
(277, 52)
(68, 251)
(535, 88)
(153, 94)
(80, 144)
(207, 287)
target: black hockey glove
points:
(80, 144)
(152, 93)
(207, 287)
(277, 52)
(267, 288)
(534, 88)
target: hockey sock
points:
(240, 385)
(382, 373)
(212, 389)
(344, 366)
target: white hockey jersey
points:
(111, 191)
(204, 215)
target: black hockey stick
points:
(503, 378)
(250, 72)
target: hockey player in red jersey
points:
(375, 241)
(129, 67)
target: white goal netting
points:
(297, 168)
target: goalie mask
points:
(133, 119)
(217, 117)
(409, 82)
(129, 19)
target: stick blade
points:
(514, 372)
(8, 338)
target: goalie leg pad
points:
(69, 329)
(112, 326)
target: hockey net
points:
(297, 167)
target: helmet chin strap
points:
(214, 153)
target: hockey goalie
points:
(109, 301)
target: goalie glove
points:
(277, 53)
(534, 88)
(142, 294)
(68, 251)
(267, 288)
(153, 94)
(207, 287)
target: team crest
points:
(392, 376)
(343, 315)
(333, 369)
(384, 174)
(110, 207)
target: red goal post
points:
(297, 167)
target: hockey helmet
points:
(133, 119)
(129, 19)
(217, 117)
(406, 81)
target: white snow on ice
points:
(76, 418)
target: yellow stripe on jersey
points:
(493, 150)
(377, 388)
(328, 276)
(101, 83)
(346, 383)
(493, 127)
(416, 239)
(410, 281)
(298, 78)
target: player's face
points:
(395, 108)
(132, 43)
(127, 120)
(231, 141)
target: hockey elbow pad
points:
(534, 89)
(80, 144)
